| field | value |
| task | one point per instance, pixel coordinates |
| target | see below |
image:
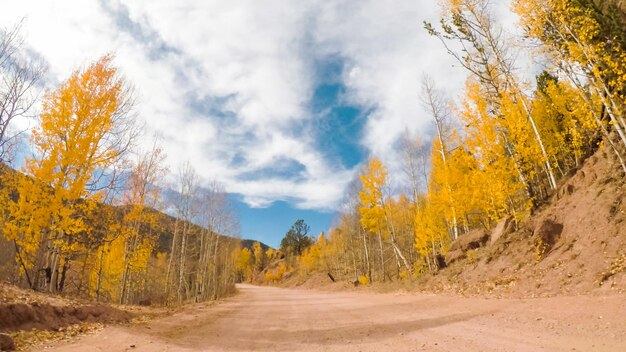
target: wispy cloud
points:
(142, 33)
(233, 86)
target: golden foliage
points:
(276, 274)
(372, 204)
(73, 144)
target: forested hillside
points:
(82, 216)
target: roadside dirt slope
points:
(27, 316)
(576, 244)
(278, 319)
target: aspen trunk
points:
(99, 279)
(215, 262)
(396, 249)
(181, 265)
(22, 264)
(367, 256)
(382, 256)
(171, 259)
(54, 269)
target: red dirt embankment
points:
(43, 316)
(24, 311)
(575, 244)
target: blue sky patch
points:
(338, 125)
(269, 225)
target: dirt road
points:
(274, 319)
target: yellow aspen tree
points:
(440, 190)
(310, 260)
(437, 106)
(86, 127)
(103, 225)
(334, 254)
(275, 275)
(25, 220)
(325, 252)
(351, 223)
(431, 233)
(572, 35)
(496, 189)
(259, 256)
(374, 213)
(528, 152)
(141, 220)
(449, 186)
(108, 269)
(355, 241)
(563, 113)
(244, 264)
(470, 23)
(402, 212)
(372, 205)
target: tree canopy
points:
(296, 240)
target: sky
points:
(280, 101)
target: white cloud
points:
(250, 65)
(389, 52)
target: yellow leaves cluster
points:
(314, 257)
(24, 219)
(108, 267)
(270, 253)
(244, 263)
(372, 212)
(571, 33)
(259, 256)
(567, 118)
(76, 119)
(490, 173)
(276, 274)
